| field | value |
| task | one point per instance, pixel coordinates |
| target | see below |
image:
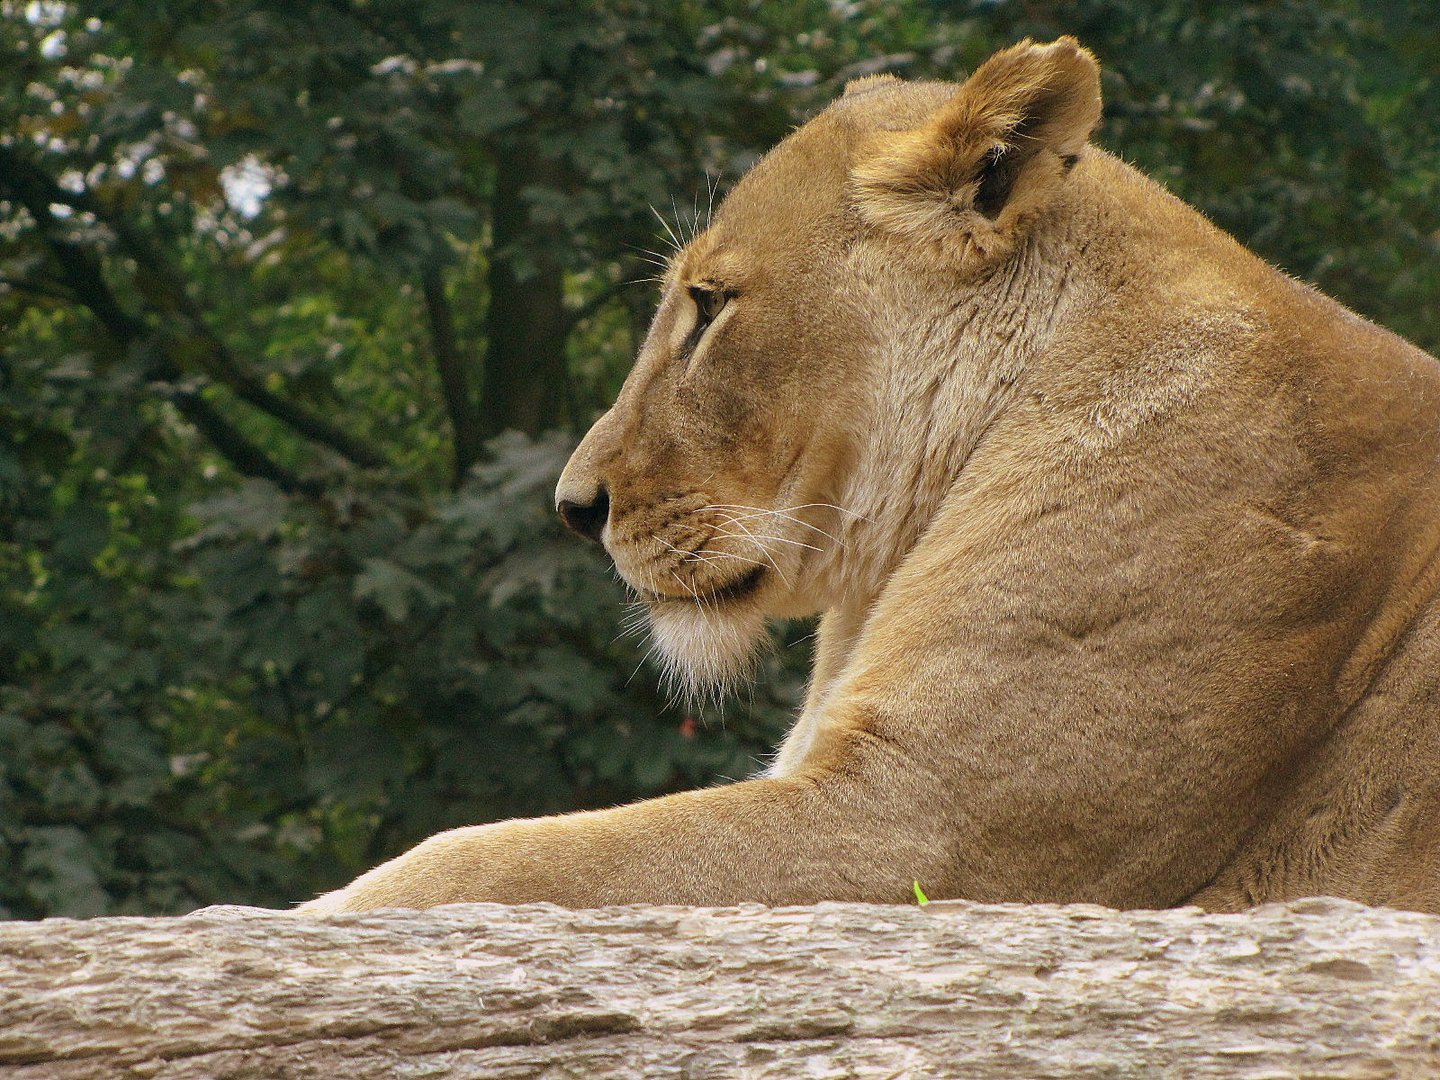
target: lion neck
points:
(955, 357)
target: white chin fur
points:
(705, 651)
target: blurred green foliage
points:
(280, 594)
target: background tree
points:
(302, 304)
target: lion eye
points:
(709, 303)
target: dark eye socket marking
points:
(709, 303)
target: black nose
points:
(587, 520)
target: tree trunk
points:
(526, 379)
(1318, 988)
(454, 369)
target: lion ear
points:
(992, 157)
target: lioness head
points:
(797, 409)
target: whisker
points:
(838, 509)
(686, 556)
(635, 613)
(651, 252)
(680, 220)
(788, 509)
(769, 556)
(766, 536)
(751, 537)
(688, 588)
(648, 653)
(741, 558)
(673, 238)
(735, 519)
(627, 629)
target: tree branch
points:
(218, 359)
(37, 288)
(247, 458)
(83, 276)
(253, 392)
(1313, 988)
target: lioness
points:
(1126, 543)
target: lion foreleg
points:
(794, 840)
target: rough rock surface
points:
(1318, 988)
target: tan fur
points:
(1126, 543)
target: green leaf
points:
(256, 508)
(393, 588)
